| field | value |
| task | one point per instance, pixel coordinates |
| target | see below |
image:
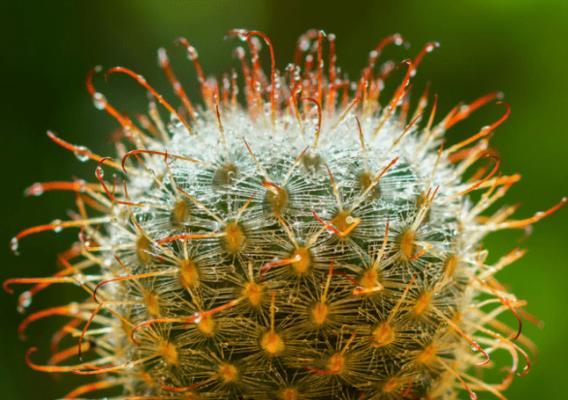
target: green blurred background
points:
(518, 46)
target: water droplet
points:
(162, 57)
(192, 53)
(99, 100)
(175, 126)
(73, 308)
(128, 131)
(197, 318)
(14, 243)
(24, 301)
(304, 44)
(255, 41)
(35, 190)
(81, 153)
(239, 52)
(82, 185)
(57, 225)
(241, 34)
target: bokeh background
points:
(518, 46)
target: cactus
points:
(312, 243)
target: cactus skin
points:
(311, 245)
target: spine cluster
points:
(292, 238)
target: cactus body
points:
(312, 244)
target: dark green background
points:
(518, 46)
